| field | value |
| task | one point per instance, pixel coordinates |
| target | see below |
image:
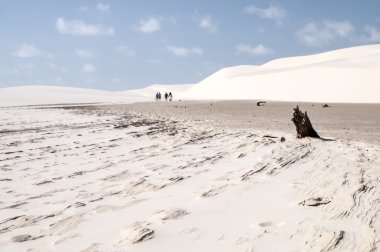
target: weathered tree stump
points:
(303, 124)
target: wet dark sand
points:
(359, 122)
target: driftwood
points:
(303, 124)
(260, 103)
(315, 201)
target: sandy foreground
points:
(189, 176)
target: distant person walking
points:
(157, 96)
(166, 96)
(170, 96)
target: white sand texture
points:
(93, 178)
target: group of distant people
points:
(166, 96)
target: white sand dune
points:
(348, 75)
(40, 95)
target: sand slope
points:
(348, 75)
(38, 95)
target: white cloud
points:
(80, 28)
(27, 51)
(248, 49)
(342, 29)
(103, 7)
(181, 51)
(149, 25)
(272, 12)
(125, 50)
(325, 34)
(30, 51)
(88, 68)
(207, 23)
(372, 34)
(84, 54)
(115, 80)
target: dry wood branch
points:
(303, 124)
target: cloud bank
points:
(149, 25)
(181, 51)
(80, 28)
(30, 51)
(272, 12)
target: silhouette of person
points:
(166, 96)
(170, 96)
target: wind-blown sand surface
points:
(188, 176)
(360, 122)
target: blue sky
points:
(125, 44)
